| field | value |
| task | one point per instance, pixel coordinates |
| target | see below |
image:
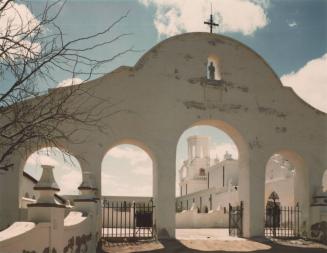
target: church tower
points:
(194, 172)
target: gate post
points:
(134, 215)
(229, 218)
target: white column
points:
(88, 203)
(251, 191)
(46, 209)
(164, 193)
(90, 190)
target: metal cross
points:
(210, 22)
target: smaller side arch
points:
(135, 142)
(302, 185)
(57, 157)
(142, 146)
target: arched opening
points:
(127, 171)
(280, 177)
(286, 195)
(207, 165)
(67, 173)
(127, 188)
(213, 68)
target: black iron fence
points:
(282, 221)
(235, 220)
(122, 221)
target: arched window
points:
(213, 69)
(202, 172)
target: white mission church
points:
(207, 184)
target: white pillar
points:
(47, 210)
(164, 194)
(251, 191)
(89, 204)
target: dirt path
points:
(185, 246)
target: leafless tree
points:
(31, 51)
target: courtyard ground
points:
(204, 240)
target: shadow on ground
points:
(185, 246)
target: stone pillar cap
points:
(87, 183)
(47, 181)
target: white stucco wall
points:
(77, 232)
(285, 189)
(26, 189)
(229, 169)
(193, 219)
(166, 92)
(17, 239)
(221, 198)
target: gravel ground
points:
(184, 246)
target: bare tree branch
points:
(32, 51)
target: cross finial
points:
(210, 22)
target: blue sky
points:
(285, 47)
(291, 35)
(294, 34)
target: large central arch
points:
(243, 157)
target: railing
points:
(123, 221)
(282, 222)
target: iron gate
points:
(282, 222)
(235, 221)
(123, 221)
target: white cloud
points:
(264, 3)
(127, 171)
(70, 81)
(219, 150)
(68, 183)
(116, 186)
(17, 21)
(177, 16)
(292, 24)
(41, 159)
(143, 170)
(310, 82)
(132, 154)
(143, 190)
